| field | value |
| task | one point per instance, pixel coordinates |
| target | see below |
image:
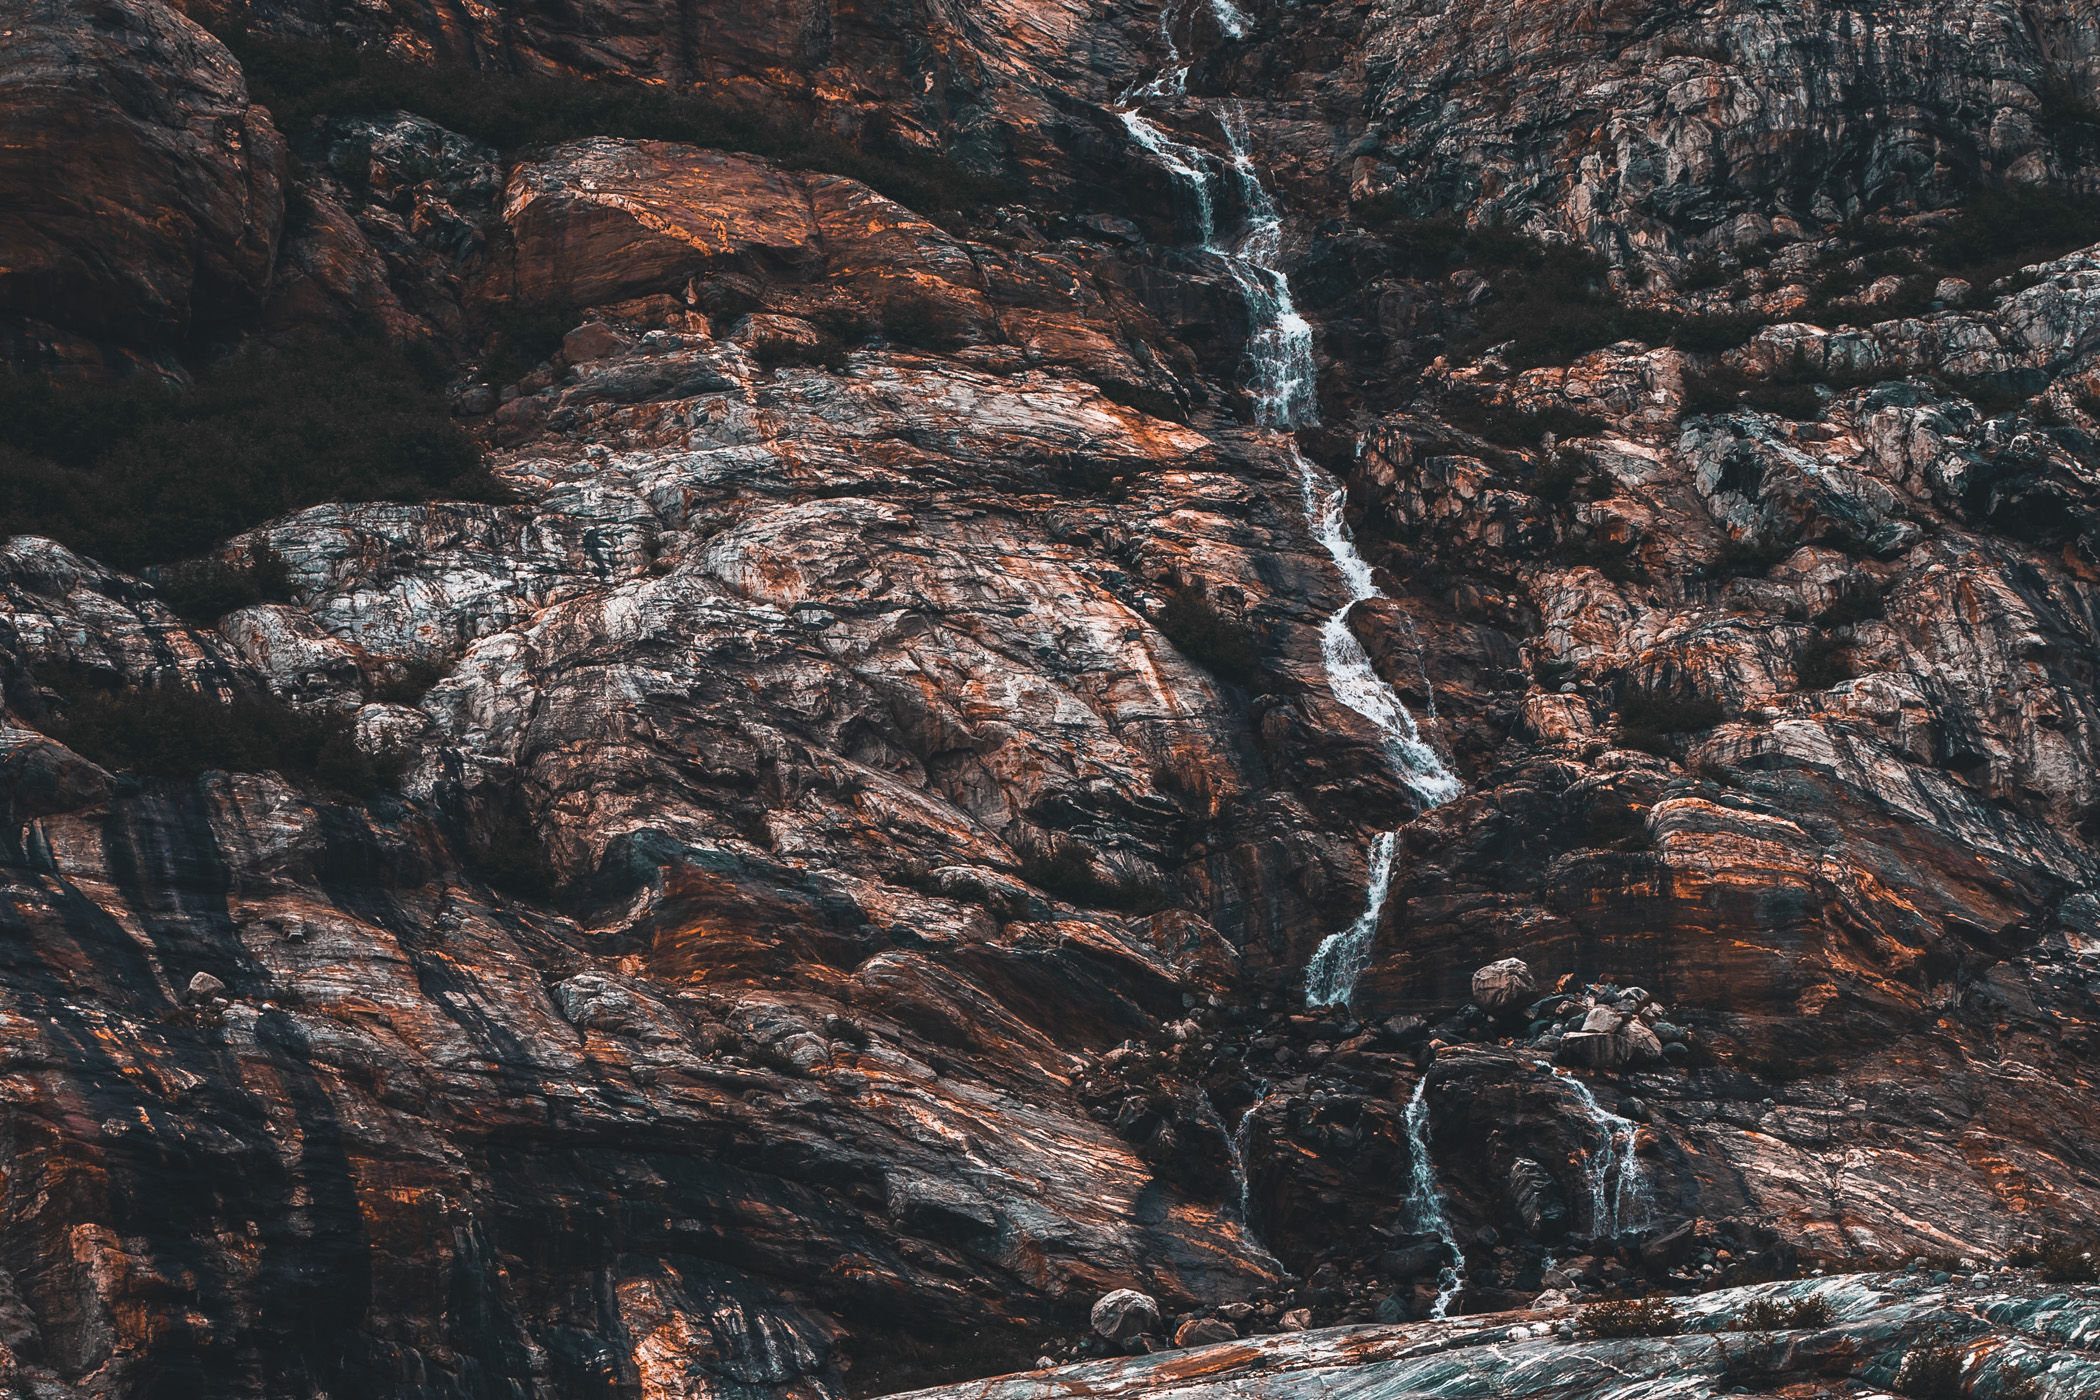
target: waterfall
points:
(1231, 18)
(1236, 1153)
(1331, 975)
(1426, 1204)
(1619, 1199)
(1282, 382)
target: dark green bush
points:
(1711, 335)
(173, 732)
(1555, 303)
(1628, 1317)
(1515, 427)
(408, 682)
(1648, 718)
(302, 81)
(1205, 636)
(2000, 230)
(1617, 826)
(1766, 1315)
(921, 323)
(1755, 1364)
(138, 474)
(1857, 601)
(515, 340)
(513, 861)
(1701, 273)
(1747, 557)
(1824, 661)
(2060, 1260)
(1617, 560)
(1555, 481)
(205, 590)
(2066, 105)
(1933, 1372)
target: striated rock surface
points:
(857, 818)
(1997, 1333)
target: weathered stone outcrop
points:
(868, 799)
(1997, 1332)
(144, 193)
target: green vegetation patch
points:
(1648, 718)
(1192, 622)
(141, 474)
(171, 731)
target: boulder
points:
(1501, 985)
(1640, 1044)
(1124, 1314)
(1669, 1249)
(1591, 1050)
(144, 192)
(1203, 1332)
(204, 986)
(1423, 1254)
(1296, 1320)
(1602, 1019)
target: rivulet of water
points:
(1282, 382)
(1236, 1153)
(1426, 1203)
(1618, 1189)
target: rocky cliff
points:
(1338, 663)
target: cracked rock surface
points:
(866, 801)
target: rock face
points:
(1993, 1332)
(867, 801)
(166, 217)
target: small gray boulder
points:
(1124, 1314)
(1501, 985)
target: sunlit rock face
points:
(869, 800)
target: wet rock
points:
(1591, 1050)
(1539, 1201)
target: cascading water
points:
(1231, 18)
(1426, 1203)
(1619, 1199)
(1236, 1151)
(1281, 382)
(1238, 1142)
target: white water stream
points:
(1619, 1196)
(1426, 1203)
(1236, 1152)
(1282, 382)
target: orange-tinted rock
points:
(143, 191)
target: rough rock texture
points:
(144, 192)
(846, 905)
(1997, 1331)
